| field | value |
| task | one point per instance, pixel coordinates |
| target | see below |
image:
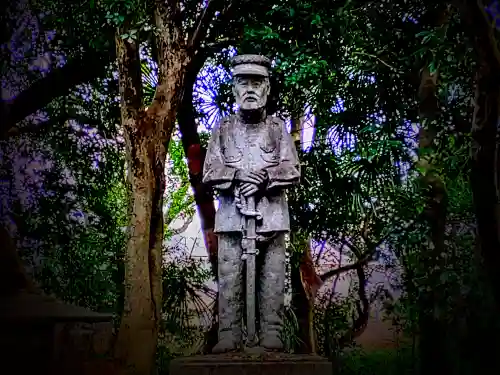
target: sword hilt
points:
(247, 253)
(249, 213)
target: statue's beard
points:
(252, 116)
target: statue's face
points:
(251, 91)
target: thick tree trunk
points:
(195, 155)
(138, 333)
(433, 330)
(203, 194)
(147, 134)
(485, 179)
(485, 162)
(305, 284)
(304, 280)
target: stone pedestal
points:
(247, 364)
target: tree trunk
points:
(433, 333)
(304, 280)
(485, 180)
(195, 155)
(302, 306)
(147, 134)
(485, 161)
(203, 194)
(305, 285)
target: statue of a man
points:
(251, 158)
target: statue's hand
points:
(253, 177)
(247, 189)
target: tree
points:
(147, 133)
(81, 37)
(484, 131)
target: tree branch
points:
(320, 254)
(202, 25)
(184, 226)
(362, 311)
(219, 44)
(172, 60)
(337, 271)
(363, 257)
(130, 83)
(483, 30)
(58, 82)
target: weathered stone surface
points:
(244, 364)
(251, 160)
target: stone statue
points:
(251, 160)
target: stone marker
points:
(251, 160)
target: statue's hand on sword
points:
(248, 189)
(254, 177)
(251, 182)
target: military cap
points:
(251, 65)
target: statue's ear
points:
(233, 89)
(268, 89)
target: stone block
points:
(250, 364)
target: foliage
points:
(382, 361)
(361, 191)
(289, 331)
(71, 214)
(331, 321)
(185, 295)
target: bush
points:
(382, 361)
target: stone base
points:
(249, 364)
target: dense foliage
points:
(384, 92)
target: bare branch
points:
(220, 44)
(58, 82)
(362, 311)
(320, 253)
(202, 25)
(337, 271)
(184, 226)
(379, 59)
(363, 257)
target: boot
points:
(272, 295)
(230, 293)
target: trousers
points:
(271, 274)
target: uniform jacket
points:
(267, 145)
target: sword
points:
(249, 246)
